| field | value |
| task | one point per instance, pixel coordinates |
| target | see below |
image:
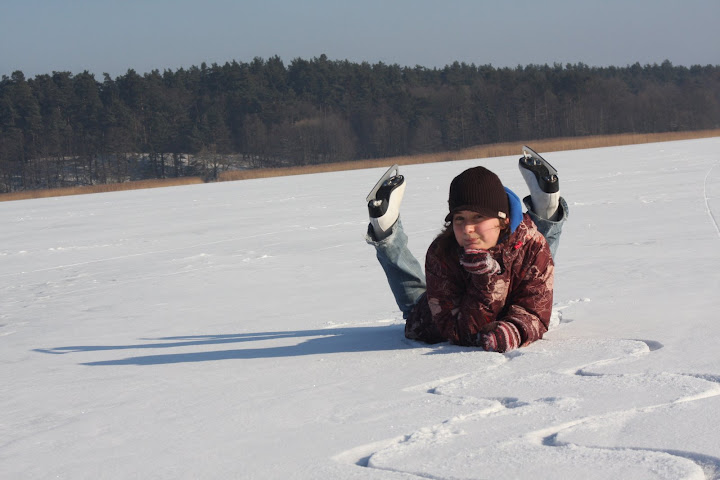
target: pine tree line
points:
(64, 129)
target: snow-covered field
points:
(245, 330)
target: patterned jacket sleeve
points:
(529, 304)
(453, 300)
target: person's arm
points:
(458, 301)
(526, 316)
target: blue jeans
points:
(551, 230)
(403, 271)
(406, 276)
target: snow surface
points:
(245, 330)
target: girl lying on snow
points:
(489, 272)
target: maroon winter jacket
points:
(458, 303)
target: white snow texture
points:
(246, 330)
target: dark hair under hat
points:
(478, 190)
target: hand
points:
(499, 337)
(479, 262)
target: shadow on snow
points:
(318, 342)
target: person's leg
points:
(404, 273)
(545, 206)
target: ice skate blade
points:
(383, 197)
(544, 172)
(532, 158)
(387, 175)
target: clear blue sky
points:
(42, 36)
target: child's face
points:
(474, 231)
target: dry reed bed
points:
(109, 187)
(480, 151)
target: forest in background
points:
(61, 129)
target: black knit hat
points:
(478, 190)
